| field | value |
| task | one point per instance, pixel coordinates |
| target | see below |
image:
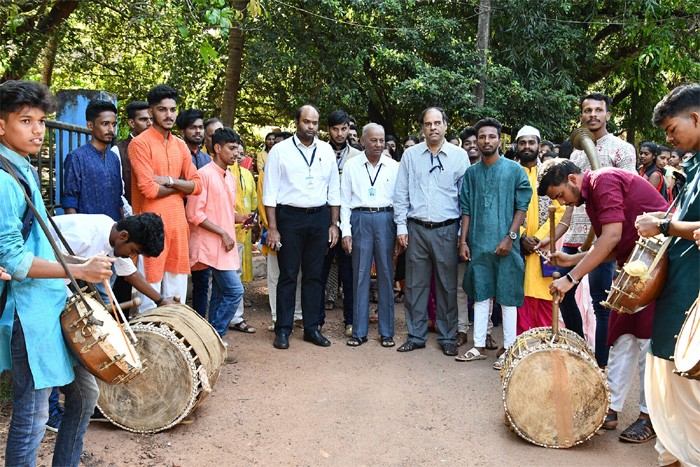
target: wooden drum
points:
(686, 356)
(183, 356)
(554, 393)
(96, 340)
(642, 277)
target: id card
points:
(372, 192)
(310, 182)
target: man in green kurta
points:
(494, 199)
(674, 401)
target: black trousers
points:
(304, 238)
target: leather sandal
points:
(640, 431)
(387, 342)
(471, 355)
(356, 341)
(610, 421)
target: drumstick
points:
(134, 302)
(555, 307)
(552, 234)
(113, 301)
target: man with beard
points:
(92, 174)
(338, 129)
(674, 401)
(138, 120)
(426, 211)
(613, 199)
(612, 152)
(164, 173)
(190, 122)
(537, 307)
(493, 200)
(301, 194)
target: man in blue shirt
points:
(92, 174)
(31, 342)
(190, 122)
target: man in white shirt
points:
(92, 234)
(301, 194)
(367, 222)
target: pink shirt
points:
(216, 203)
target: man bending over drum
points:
(31, 341)
(89, 234)
(614, 198)
(674, 401)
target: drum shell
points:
(686, 356)
(182, 355)
(631, 294)
(98, 357)
(554, 394)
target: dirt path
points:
(346, 406)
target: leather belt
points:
(384, 209)
(433, 225)
(304, 210)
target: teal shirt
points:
(490, 196)
(37, 302)
(683, 280)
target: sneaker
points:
(348, 330)
(54, 421)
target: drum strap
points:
(27, 218)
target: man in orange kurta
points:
(163, 175)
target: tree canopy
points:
(381, 60)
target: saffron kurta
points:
(246, 202)
(537, 286)
(152, 155)
(490, 196)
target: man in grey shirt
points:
(426, 210)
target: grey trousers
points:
(431, 251)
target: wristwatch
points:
(571, 279)
(664, 226)
(512, 235)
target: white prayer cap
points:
(528, 130)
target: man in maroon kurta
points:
(614, 198)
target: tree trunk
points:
(482, 43)
(234, 66)
(21, 63)
(50, 58)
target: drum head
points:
(159, 397)
(687, 351)
(555, 397)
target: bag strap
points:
(27, 218)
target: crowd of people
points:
(451, 225)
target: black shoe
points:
(281, 342)
(450, 350)
(316, 338)
(409, 346)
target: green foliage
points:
(381, 60)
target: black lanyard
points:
(372, 182)
(313, 154)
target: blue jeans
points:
(200, 291)
(226, 295)
(30, 411)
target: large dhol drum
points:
(686, 356)
(554, 393)
(642, 277)
(97, 341)
(182, 355)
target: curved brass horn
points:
(582, 138)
